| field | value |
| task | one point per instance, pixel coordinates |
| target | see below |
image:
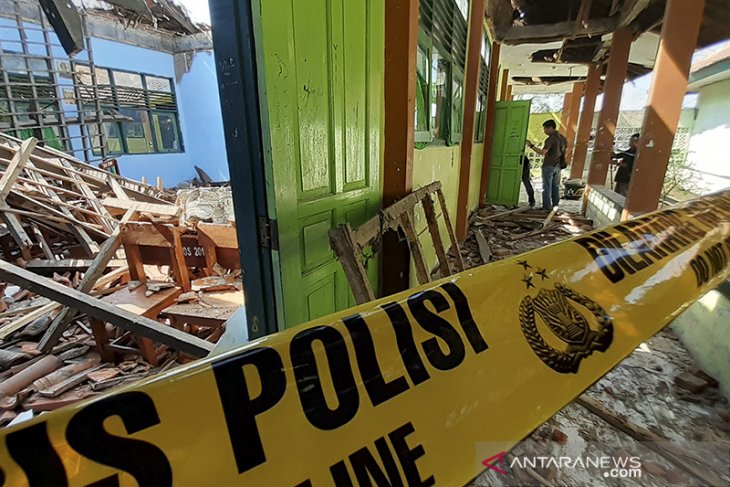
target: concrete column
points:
(401, 44)
(489, 124)
(572, 119)
(471, 89)
(593, 85)
(618, 63)
(505, 83)
(680, 30)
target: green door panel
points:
(322, 115)
(505, 170)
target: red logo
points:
(495, 462)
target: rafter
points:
(539, 33)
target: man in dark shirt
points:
(625, 161)
(553, 152)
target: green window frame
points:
(440, 81)
(146, 102)
(456, 106)
(481, 108)
(423, 133)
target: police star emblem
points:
(562, 326)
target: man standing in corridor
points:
(553, 152)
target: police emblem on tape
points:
(578, 325)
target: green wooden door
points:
(505, 169)
(323, 99)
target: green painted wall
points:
(534, 130)
(475, 175)
(434, 163)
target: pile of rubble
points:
(103, 281)
(497, 232)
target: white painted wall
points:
(708, 147)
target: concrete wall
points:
(703, 330)
(475, 175)
(708, 146)
(201, 123)
(604, 207)
(200, 110)
(196, 87)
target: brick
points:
(691, 382)
(559, 437)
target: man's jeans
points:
(550, 186)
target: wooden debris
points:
(484, 250)
(103, 311)
(693, 464)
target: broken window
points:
(142, 108)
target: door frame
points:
(233, 27)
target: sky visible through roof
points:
(635, 95)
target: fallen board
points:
(418, 397)
(96, 308)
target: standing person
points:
(526, 180)
(553, 152)
(625, 161)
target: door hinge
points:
(268, 233)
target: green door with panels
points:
(323, 104)
(505, 169)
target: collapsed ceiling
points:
(567, 35)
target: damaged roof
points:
(167, 15)
(551, 43)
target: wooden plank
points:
(499, 216)
(631, 11)
(26, 319)
(15, 167)
(433, 229)
(35, 205)
(484, 250)
(117, 188)
(392, 214)
(350, 256)
(89, 245)
(450, 229)
(96, 308)
(415, 245)
(47, 267)
(15, 227)
(103, 215)
(164, 210)
(42, 242)
(541, 33)
(693, 464)
(95, 270)
(549, 218)
(220, 235)
(112, 276)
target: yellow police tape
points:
(401, 391)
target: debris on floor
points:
(638, 416)
(98, 276)
(497, 232)
(656, 408)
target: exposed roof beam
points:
(631, 10)
(540, 33)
